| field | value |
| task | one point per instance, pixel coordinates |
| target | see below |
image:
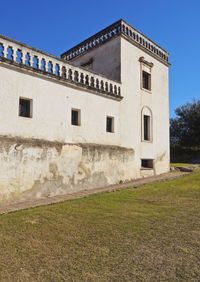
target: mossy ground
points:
(149, 233)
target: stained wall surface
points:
(31, 169)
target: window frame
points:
(112, 124)
(149, 164)
(30, 107)
(146, 67)
(146, 111)
(79, 117)
(148, 75)
(146, 128)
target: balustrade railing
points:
(27, 56)
(120, 27)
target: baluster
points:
(5, 50)
(31, 60)
(95, 82)
(73, 75)
(53, 68)
(14, 54)
(39, 63)
(23, 57)
(119, 91)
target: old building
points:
(96, 116)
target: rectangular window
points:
(146, 80)
(147, 163)
(75, 117)
(25, 107)
(110, 124)
(146, 128)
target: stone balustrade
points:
(119, 27)
(22, 55)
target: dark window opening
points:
(25, 108)
(146, 80)
(145, 163)
(75, 118)
(109, 124)
(146, 128)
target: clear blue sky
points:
(55, 26)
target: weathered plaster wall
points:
(34, 168)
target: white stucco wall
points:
(52, 104)
(135, 99)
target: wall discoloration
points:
(30, 169)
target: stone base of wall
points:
(32, 169)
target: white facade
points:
(110, 85)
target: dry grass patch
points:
(147, 234)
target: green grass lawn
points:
(151, 233)
(179, 164)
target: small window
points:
(146, 80)
(110, 124)
(25, 108)
(75, 118)
(147, 163)
(146, 128)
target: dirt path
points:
(5, 208)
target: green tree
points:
(185, 128)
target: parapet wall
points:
(120, 27)
(29, 59)
(32, 169)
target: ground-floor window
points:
(146, 163)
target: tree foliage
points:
(185, 128)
